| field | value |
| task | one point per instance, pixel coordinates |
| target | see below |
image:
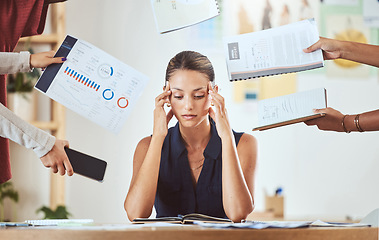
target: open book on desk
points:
(290, 109)
(184, 219)
(172, 15)
(272, 51)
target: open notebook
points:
(184, 219)
(290, 109)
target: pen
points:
(278, 191)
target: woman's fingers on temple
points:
(169, 116)
(212, 113)
(217, 99)
(162, 96)
(210, 86)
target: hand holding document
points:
(273, 51)
(172, 15)
(93, 84)
(290, 109)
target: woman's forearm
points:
(141, 196)
(360, 52)
(237, 200)
(368, 121)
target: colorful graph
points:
(82, 79)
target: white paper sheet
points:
(273, 51)
(371, 13)
(171, 15)
(292, 106)
(93, 84)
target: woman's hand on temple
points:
(218, 112)
(161, 119)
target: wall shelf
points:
(57, 123)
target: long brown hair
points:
(190, 60)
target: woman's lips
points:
(188, 116)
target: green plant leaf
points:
(7, 191)
(59, 213)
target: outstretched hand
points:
(57, 159)
(44, 59)
(332, 121)
(331, 49)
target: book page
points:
(273, 51)
(175, 14)
(289, 107)
(93, 84)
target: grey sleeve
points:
(14, 62)
(23, 133)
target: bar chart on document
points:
(93, 84)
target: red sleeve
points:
(18, 18)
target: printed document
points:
(171, 15)
(93, 84)
(289, 109)
(272, 51)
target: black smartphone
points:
(86, 165)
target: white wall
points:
(324, 174)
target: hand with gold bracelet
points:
(336, 121)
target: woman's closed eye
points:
(179, 97)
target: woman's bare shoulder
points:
(143, 144)
(247, 147)
(248, 140)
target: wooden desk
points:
(190, 233)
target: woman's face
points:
(190, 100)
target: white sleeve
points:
(14, 62)
(23, 133)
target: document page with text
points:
(272, 51)
(289, 109)
(93, 84)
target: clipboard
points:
(289, 122)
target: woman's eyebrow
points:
(198, 89)
(195, 90)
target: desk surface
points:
(190, 233)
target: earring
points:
(212, 104)
(168, 104)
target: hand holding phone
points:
(86, 165)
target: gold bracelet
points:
(356, 121)
(343, 124)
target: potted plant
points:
(20, 92)
(6, 191)
(59, 213)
